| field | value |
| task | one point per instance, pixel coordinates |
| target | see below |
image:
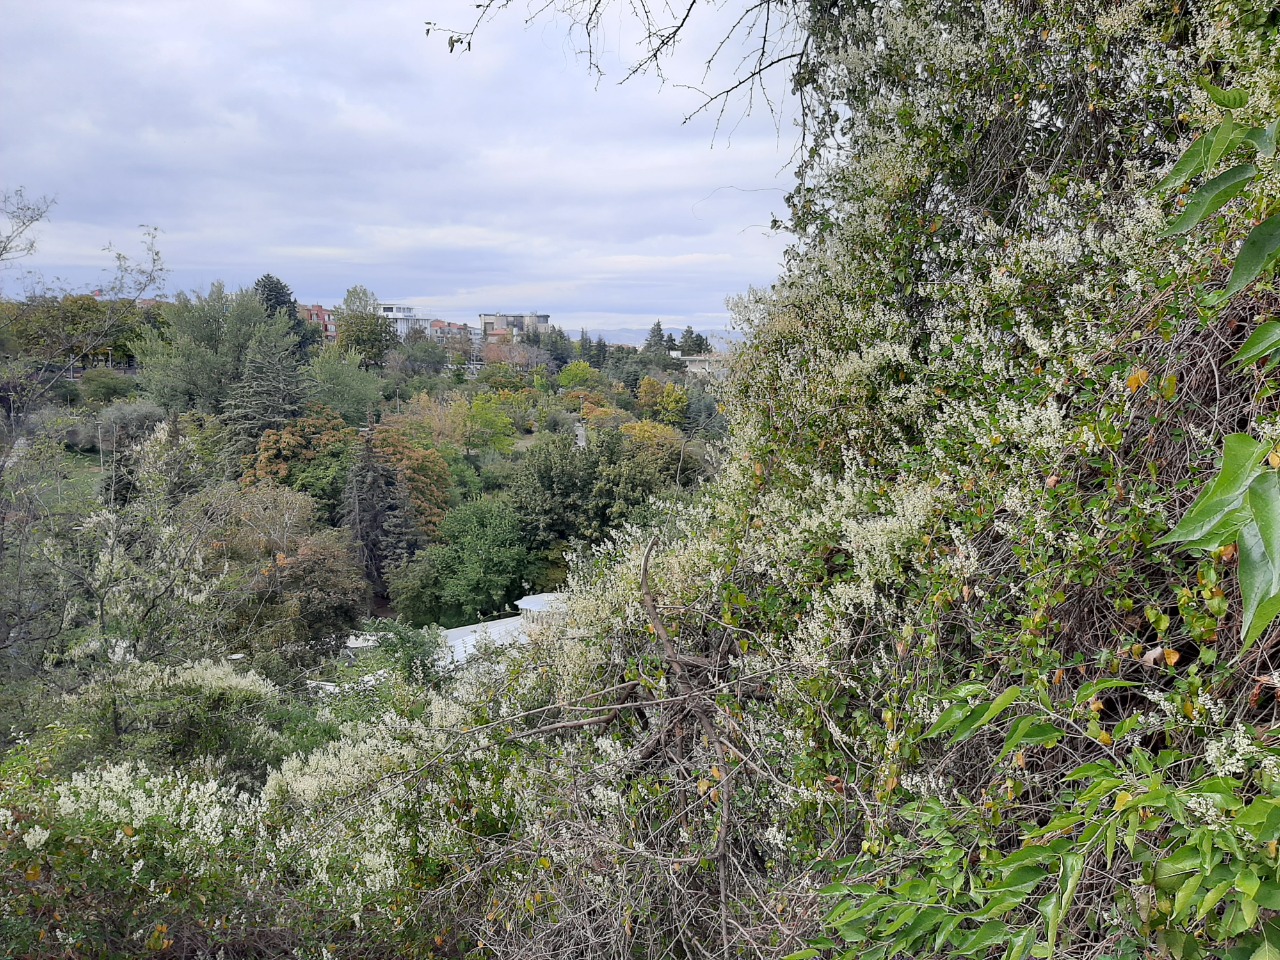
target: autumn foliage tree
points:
(311, 454)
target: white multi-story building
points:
(405, 318)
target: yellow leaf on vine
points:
(1138, 379)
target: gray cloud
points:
(334, 144)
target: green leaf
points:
(1021, 945)
(1260, 248)
(1051, 910)
(1186, 894)
(1225, 140)
(1268, 895)
(948, 719)
(1249, 907)
(1241, 462)
(1213, 897)
(1069, 878)
(1264, 138)
(1247, 882)
(1261, 343)
(1261, 818)
(1263, 500)
(1192, 163)
(1031, 731)
(1257, 574)
(1088, 691)
(1211, 197)
(991, 932)
(1226, 99)
(1022, 878)
(1269, 948)
(1268, 610)
(997, 707)
(1171, 872)
(1226, 530)
(948, 926)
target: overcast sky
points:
(333, 143)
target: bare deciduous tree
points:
(21, 215)
(746, 49)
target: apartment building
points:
(513, 326)
(323, 318)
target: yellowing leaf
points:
(33, 873)
(127, 830)
(1171, 656)
(1105, 738)
(1138, 379)
(703, 786)
(1122, 799)
(1189, 709)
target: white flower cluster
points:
(1232, 755)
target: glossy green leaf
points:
(945, 929)
(1192, 163)
(1257, 573)
(1261, 343)
(1171, 871)
(1241, 462)
(1088, 691)
(1263, 501)
(1268, 895)
(1211, 197)
(1226, 99)
(1228, 136)
(1260, 249)
(1226, 530)
(1030, 731)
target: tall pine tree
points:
(378, 510)
(273, 391)
(278, 300)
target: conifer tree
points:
(378, 510)
(278, 300)
(273, 391)
(656, 341)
